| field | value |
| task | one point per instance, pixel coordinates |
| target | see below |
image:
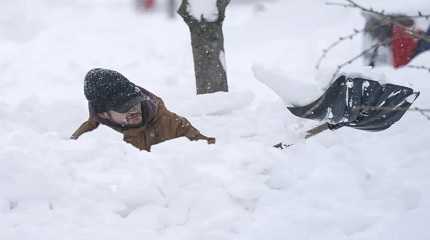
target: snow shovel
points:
(358, 103)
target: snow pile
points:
(345, 184)
(294, 92)
(203, 9)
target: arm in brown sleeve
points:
(184, 128)
(87, 126)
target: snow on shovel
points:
(358, 103)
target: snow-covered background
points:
(339, 185)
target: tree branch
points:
(392, 19)
(339, 67)
(221, 5)
(385, 19)
(353, 4)
(183, 11)
(418, 67)
(336, 43)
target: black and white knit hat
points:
(109, 90)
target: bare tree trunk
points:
(207, 41)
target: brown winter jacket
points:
(158, 127)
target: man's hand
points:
(74, 137)
(211, 140)
(85, 127)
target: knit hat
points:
(109, 90)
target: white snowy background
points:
(345, 184)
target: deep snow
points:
(339, 185)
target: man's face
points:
(130, 118)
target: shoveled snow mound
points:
(293, 92)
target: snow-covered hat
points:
(109, 90)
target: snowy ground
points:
(339, 185)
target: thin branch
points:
(339, 67)
(341, 39)
(222, 5)
(413, 33)
(385, 18)
(336, 43)
(423, 112)
(339, 4)
(353, 4)
(382, 13)
(350, 37)
(421, 15)
(418, 67)
(183, 12)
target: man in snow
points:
(397, 45)
(138, 114)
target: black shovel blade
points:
(359, 103)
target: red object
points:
(148, 4)
(403, 46)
